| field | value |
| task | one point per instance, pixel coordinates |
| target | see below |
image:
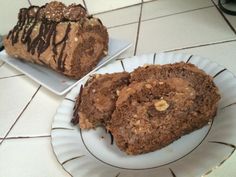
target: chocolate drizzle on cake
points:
(47, 18)
(13, 34)
(61, 60)
(64, 38)
(42, 40)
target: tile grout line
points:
(138, 29)
(223, 16)
(190, 47)
(12, 76)
(128, 6)
(26, 137)
(85, 5)
(178, 13)
(120, 8)
(201, 45)
(29, 2)
(163, 16)
(125, 24)
(18, 117)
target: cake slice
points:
(64, 38)
(96, 101)
(152, 113)
(149, 108)
(162, 103)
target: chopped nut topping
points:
(148, 86)
(97, 76)
(117, 92)
(54, 11)
(161, 105)
(146, 65)
(74, 12)
(128, 89)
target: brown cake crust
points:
(97, 100)
(64, 38)
(161, 104)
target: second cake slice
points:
(97, 100)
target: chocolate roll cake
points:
(151, 114)
(64, 38)
(96, 101)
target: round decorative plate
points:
(92, 153)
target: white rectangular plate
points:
(54, 81)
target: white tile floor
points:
(7, 71)
(8, 15)
(220, 53)
(19, 162)
(181, 30)
(186, 26)
(125, 32)
(37, 120)
(97, 6)
(124, 16)
(17, 95)
(163, 8)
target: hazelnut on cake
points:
(64, 38)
